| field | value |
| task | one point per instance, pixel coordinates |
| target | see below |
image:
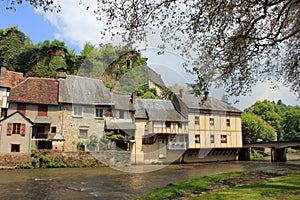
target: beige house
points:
(214, 128)
(36, 98)
(84, 104)
(16, 133)
(161, 132)
(122, 119)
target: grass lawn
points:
(238, 185)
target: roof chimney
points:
(61, 73)
(111, 89)
(206, 95)
(133, 98)
(181, 93)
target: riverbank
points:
(281, 184)
(48, 159)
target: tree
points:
(254, 128)
(291, 123)
(230, 43)
(270, 113)
(12, 43)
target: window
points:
(53, 129)
(42, 110)
(168, 124)
(227, 122)
(211, 121)
(77, 111)
(16, 129)
(212, 139)
(21, 107)
(223, 138)
(98, 113)
(121, 114)
(83, 133)
(197, 139)
(197, 120)
(15, 148)
(148, 139)
(4, 112)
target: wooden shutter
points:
(23, 129)
(9, 128)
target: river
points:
(108, 183)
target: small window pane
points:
(83, 133)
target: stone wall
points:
(12, 159)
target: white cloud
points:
(75, 23)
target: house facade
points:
(16, 134)
(36, 99)
(161, 132)
(84, 104)
(215, 131)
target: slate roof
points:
(111, 125)
(157, 110)
(212, 104)
(156, 78)
(36, 91)
(83, 90)
(122, 102)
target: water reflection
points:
(107, 183)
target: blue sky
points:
(75, 26)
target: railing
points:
(177, 145)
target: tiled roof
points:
(13, 78)
(157, 110)
(35, 90)
(83, 90)
(212, 104)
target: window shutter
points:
(9, 128)
(23, 129)
(143, 139)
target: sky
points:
(75, 25)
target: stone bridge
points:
(278, 149)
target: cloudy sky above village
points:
(75, 25)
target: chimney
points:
(133, 98)
(61, 73)
(206, 95)
(111, 89)
(181, 93)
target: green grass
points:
(286, 187)
(197, 185)
(281, 185)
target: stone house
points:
(36, 99)
(214, 128)
(161, 132)
(84, 104)
(16, 134)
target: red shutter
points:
(143, 139)
(23, 129)
(9, 128)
